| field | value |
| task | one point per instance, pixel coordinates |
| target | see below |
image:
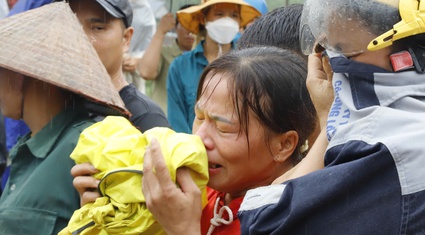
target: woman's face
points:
(11, 93)
(221, 10)
(233, 166)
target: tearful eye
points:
(97, 28)
(199, 118)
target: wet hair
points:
(279, 28)
(270, 83)
(376, 16)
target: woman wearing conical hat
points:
(218, 21)
(46, 82)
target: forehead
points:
(215, 81)
(89, 8)
(215, 90)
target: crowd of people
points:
(307, 118)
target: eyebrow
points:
(216, 118)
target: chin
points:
(214, 185)
(15, 116)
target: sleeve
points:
(145, 113)
(360, 196)
(144, 25)
(176, 99)
(253, 209)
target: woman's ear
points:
(128, 34)
(286, 143)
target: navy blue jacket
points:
(374, 177)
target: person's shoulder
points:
(172, 50)
(186, 55)
(130, 94)
(81, 121)
(81, 125)
(184, 60)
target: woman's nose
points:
(202, 131)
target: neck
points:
(279, 170)
(42, 102)
(181, 47)
(211, 49)
(118, 79)
(228, 198)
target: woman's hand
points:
(319, 85)
(85, 183)
(178, 210)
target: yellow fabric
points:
(116, 149)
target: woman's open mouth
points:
(214, 168)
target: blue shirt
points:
(14, 130)
(25, 5)
(182, 84)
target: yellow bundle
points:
(117, 149)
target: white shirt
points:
(4, 9)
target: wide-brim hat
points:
(49, 44)
(190, 17)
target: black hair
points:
(279, 28)
(186, 6)
(270, 83)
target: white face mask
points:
(223, 30)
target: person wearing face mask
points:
(154, 64)
(218, 22)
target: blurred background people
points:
(218, 22)
(261, 6)
(4, 9)
(156, 60)
(144, 25)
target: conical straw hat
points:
(49, 44)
